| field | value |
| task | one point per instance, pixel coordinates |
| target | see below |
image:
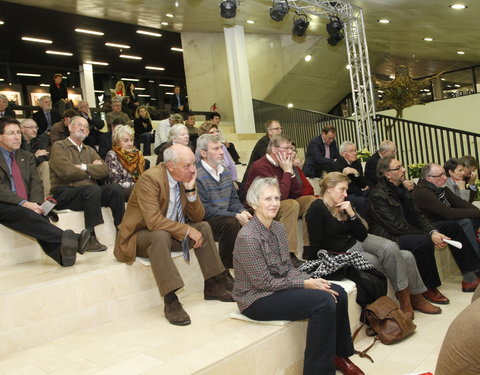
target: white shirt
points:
(215, 173)
(83, 167)
(161, 134)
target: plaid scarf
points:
(132, 161)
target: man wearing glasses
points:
(394, 215)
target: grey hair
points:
(43, 97)
(257, 185)
(204, 140)
(81, 102)
(25, 121)
(119, 131)
(385, 145)
(176, 118)
(175, 131)
(75, 119)
(170, 156)
(116, 100)
(427, 169)
(3, 97)
(344, 146)
(276, 141)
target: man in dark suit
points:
(387, 148)
(21, 191)
(94, 122)
(322, 151)
(179, 101)
(47, 116)
(5, 110)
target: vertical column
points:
(86, 82)
(239, 79)
(437, 86)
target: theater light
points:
(228, 8)
(300, 25)
(279, 10)
(335, 31)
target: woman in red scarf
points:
(125, 162)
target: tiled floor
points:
(145, 343)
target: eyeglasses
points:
(277, 128)
(440, 175)
(396, 169)
(86, 126)
(286, 148)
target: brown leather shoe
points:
(83, 239)
(216, 290)
(403, 297)
(347, 367)
(421, 304)
(94, 246)
(434, 296)
(175, 313)
(469, 287)
(226, 279)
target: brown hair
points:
(206, 127)
(330, 180)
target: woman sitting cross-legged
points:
(268, 286)
(125, 162)
(335, 229)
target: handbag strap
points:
(363, 353)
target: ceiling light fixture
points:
(166, 85)
(164, 23)
(228, 8)
(457, 85)
(442, 79)
(169, 15)
(391, 76)
(96, 62)
(91, 32)
(348, 67)
(99, 91)
(131, 57)
(1, 22)
(279, 10)
(50, 52)
(308, 58)
(458, 6)
(44, 85)
(383, 20)
(140, 88)
(151, 81)
(427, 39)
(144, 95)
(154, 67)
(169, 93)
(300, 24)
(290, 105)
(3, 79)
(117, 45)
(335, 31)
(36, 40)
(130, 79)
(461, 52)
(177, 49)
(251, 22)
(149, 33)
(29, 74)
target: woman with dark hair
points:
(143, 129)
(268, 287)
(59, 94)
(455, 171)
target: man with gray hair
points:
(96, 124)
(47, 116)
(163, 128)
(5, 110)
(117, 113)
(223, 209)
(164, 214)
(387, 148)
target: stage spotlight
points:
(300, 25)
(335, 31)
(278, 10)
(228, 8)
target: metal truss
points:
(357, 53)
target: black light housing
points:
(300, 25)
(228, 8)
(335, 31)
(278, 10)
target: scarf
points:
(439, 192)
(132, 161)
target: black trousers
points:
(328, 332)
(225, 230)
(25, 221)
(233, 153)
(90, 199)
(321, 168)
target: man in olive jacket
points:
(75, 172)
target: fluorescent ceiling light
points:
(169, 93)
(36, 40)
(117, 45)
(461, 52)
(153, 99)
(154, 67)
(131, 57)
(86, 31)
(457, 85)
(166, 85)
(428, 39)
(383, 21)
(177, 49)
(151, 81)
(458, 6)
(164, 23)
(44, 85)
(130, 79)
(443, 79)
(149, 33)
(140, 88)
(1, 22)
(50, 52)
(251, 22)
(96, 62)
(29, 74)
(2, 79)
(99, 91)
(169, 15)
(144, 95)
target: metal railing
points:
(416, 142)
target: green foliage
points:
(363, 154)
(415, 170)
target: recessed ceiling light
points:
(117, 45)
(290, 105)
(308, 58)
(2, 79)
(130, 79)
(169, 15)
(348, 67)
(442, 79)
(99, 91)
(427, 39)
(461, 52)
(1, 22)
(391, 76)
(384, 20)
(177, 49)
(177, 4)
(457, 85)
(50, 52)
(144, 95)
(154, 67)
(380, 91)
(29, 74)
(166, 85)
(151, 81)
(164, 23)
(150, 33)
(140, 88)
(458, 6)
(169, 93)
(91, 32)
(44, 85)
(36, 40)
(251, 22)
(95, 62)
(131, 57)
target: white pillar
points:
(86, 83)
(239, 79)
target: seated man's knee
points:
(289, 206)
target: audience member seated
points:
(165, 214)
(125, 162)
(394, 215)
(440, 204)
(334, 226)
(96, 124)
(460, 351)
(178, 134)
(31, 142)
(454, 169)
(59, 130)
(119, 92)
(387, 148)
(471, 171)
(59, 94)
(223, 209)
(75, 171)
(192, 130)
(21, 193)
(272, 128)
(46, 116)
(117, 113)
(269, 287)
(143, 129)
(278, 163)
(349, 165)
(5, 110)
(179, 101)
(163, 128)
(215, 118)
(322, 151)
(105, 140)
(305, 186)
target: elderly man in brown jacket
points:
(75, 170)
(165, 214)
